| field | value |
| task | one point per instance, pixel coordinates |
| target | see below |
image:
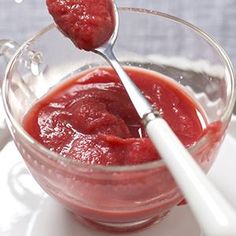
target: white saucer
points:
(25, 210)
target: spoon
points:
(213, 213)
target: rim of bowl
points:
(145, 166)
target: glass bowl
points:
(130, 197)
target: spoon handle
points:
(142, 106)
(213, 213)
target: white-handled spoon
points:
(212, 211)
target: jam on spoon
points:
(88, 23)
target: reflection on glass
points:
(18, 1)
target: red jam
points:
(91, 119)
(88, 23)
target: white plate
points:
(25, 210)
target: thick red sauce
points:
(88, 23)
(90, 117)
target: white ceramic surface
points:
(25, 210)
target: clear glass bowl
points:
(130, 197)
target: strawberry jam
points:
(90, 118)
(88, 23)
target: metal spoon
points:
(213, 213)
